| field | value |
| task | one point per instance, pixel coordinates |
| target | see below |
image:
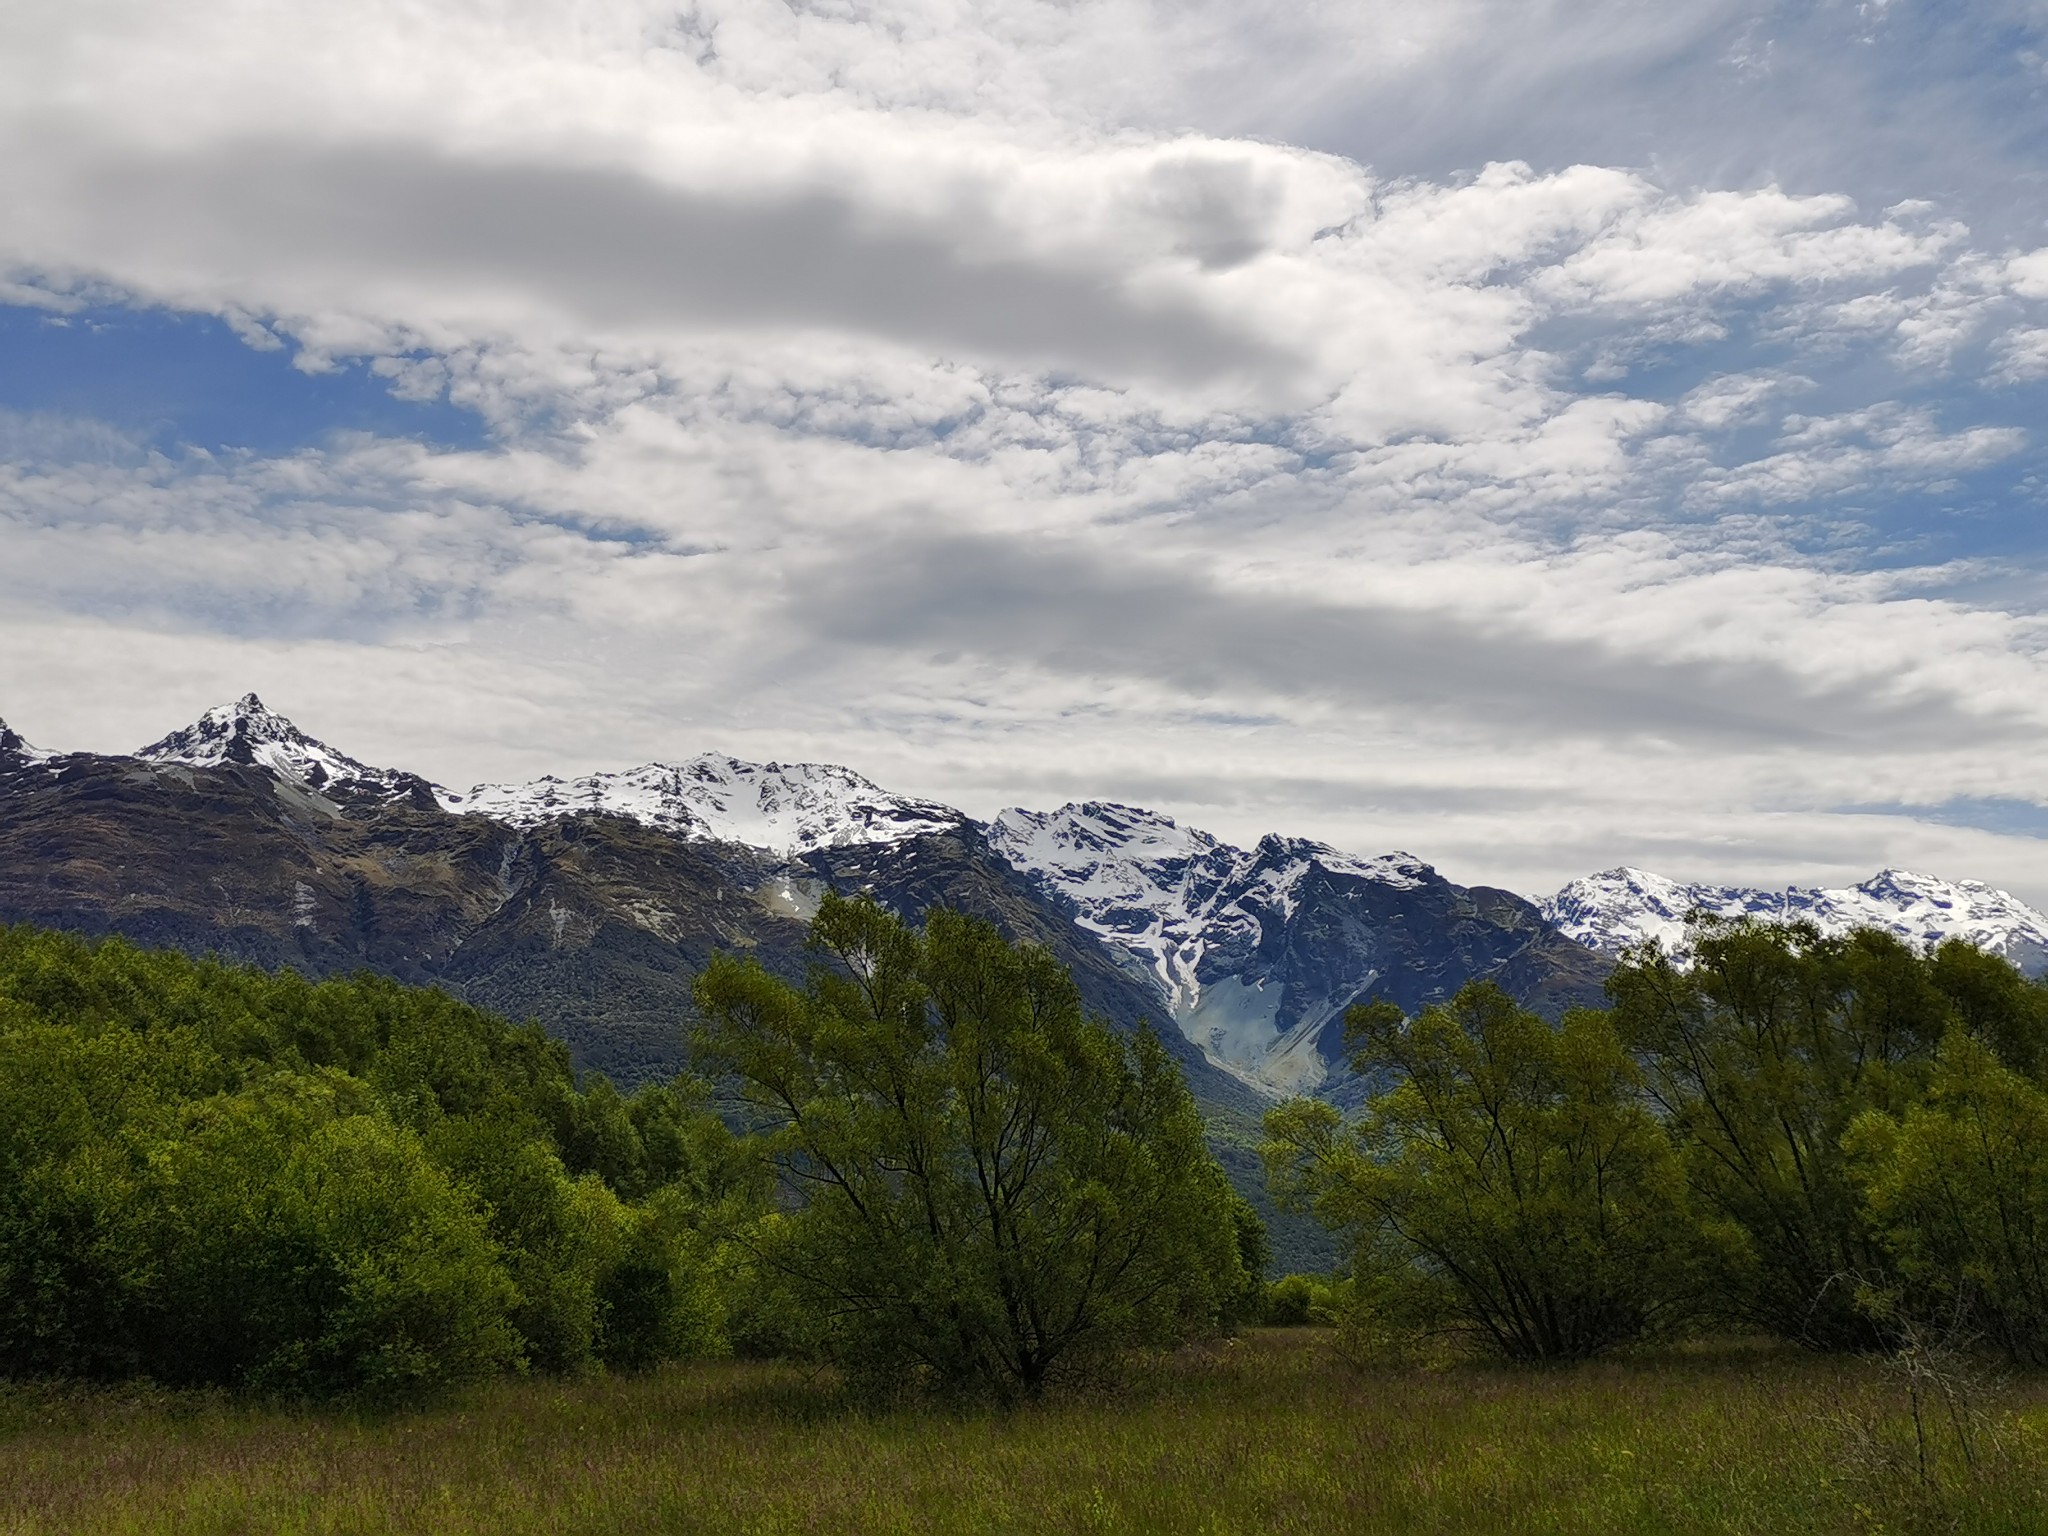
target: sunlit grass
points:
(1274, 1434)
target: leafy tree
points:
(1760, 1055)
(987, 1186)
(1957, 1191)
(1508, 1181)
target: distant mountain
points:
(786, 808)
(14, 750)
(1256, 954)
(249, 734)
(1608, 912)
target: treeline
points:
(930, 1168)
(949, 1176)
(1835, 1140)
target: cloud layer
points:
(1329, 423)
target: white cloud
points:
(932, 386)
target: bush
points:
(1297, 1301)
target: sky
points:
(1535, 435)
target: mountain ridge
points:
(1254, 954)
(1619, 907)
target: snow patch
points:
(1619, 907)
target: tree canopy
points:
(213, 1175)
(985, 1186)
(1506, 1180)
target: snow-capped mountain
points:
(1619, 907)
(249, 733)
(1257, 953)
(787, 808)
(15, 750)
(1254, 953)
(1166, 894)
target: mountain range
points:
(590, 902)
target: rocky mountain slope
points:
(1609, 911)
(1257, 953)
(243, 835)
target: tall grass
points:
(1273, 1434)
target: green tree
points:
(1508, 1181)
(987, 1185)
(1957, 1191)
(1760, 1054)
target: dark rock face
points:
(1346, 938)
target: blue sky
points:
(172, 381)
(1538, 436)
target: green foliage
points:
(211, 1175)
(1297, 1301)
(1508, 1183)
(1762, 1055)
(987, 1186)
(1958, 1193)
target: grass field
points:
(1271, 1434)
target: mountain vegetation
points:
(949, 1173)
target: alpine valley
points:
(591, 903)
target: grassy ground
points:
(1273, 1434)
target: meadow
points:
(1276, 1432)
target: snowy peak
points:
(1619, 907)
(251, 734)
(1286, 861)
(15, 750)
(1099, 850)
(1211, 926)
(788, 808)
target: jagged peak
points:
(14, 747)
(251, 734)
